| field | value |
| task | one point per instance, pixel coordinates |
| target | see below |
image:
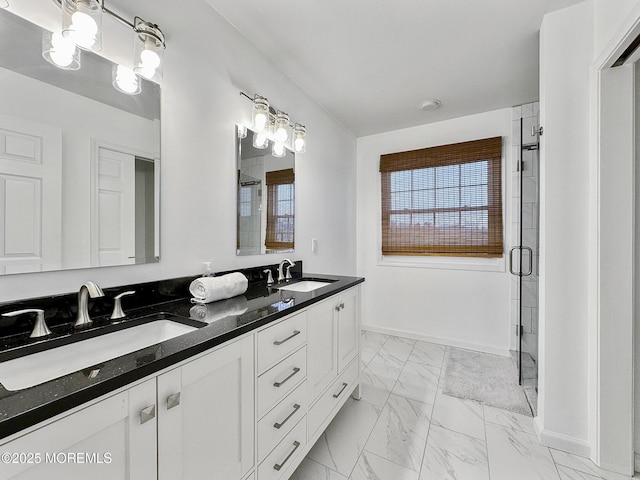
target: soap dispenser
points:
(208, 272)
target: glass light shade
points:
(299, 142)
(281, 132)
(4, 3)
(82, 23)
(260, 140)
(242, 131)
(260, 114)
(125, 80)
(60, 51)
(148, 50)
(278, 150)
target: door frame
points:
(611, 282)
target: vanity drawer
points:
(277, 341)
(285, 455)
(278, 381)
(281, 419)
(335, 395)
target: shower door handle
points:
(511, 261)
(521, 273)
(530, 262)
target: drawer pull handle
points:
(296, 444)
(278, 384)
(173, 400)
(296, 407)
(147, 413)
(280, 342)
(336, 395)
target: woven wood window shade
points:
(444, 200)
(280, 209)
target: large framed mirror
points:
(266, 197)
(79, 161)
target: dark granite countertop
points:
(258, 306)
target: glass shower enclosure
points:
(524, 255)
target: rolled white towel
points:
(219, 310)
(210, 289)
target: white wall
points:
(207, 63)
(609, 16)
(566, 52)
(469, 307)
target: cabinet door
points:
(321, 347)
(206, 416)
(108, 440)
(348, 327)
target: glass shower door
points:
(523, 258)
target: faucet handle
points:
(117, 305)
(288, 276)
(269, 276)
(40, 328)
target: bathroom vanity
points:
(241, 396)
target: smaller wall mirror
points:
(266, 198)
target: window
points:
(280, 209)
(444, 200)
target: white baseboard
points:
(439, 340)
(560, 441)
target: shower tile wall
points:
(530, 118)
(250, 213)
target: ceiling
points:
(371, 63)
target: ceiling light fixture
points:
(82, 27)
(275, 125)
(429, 105)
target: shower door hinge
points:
(537, 130)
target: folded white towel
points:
(219, 310)
(210, 289)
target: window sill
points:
(445, 263)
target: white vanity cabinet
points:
(333, 346)
(112, 439)
(250, 409)
(206, 416)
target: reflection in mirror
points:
(79, 161)
(266, 198)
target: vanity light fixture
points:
(271, 124)
(260, 114)
(82, 27)
(82, 23)
(281, 132)
(60, 51)
(299, 138)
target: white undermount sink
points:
(40, 367)
(305, 286)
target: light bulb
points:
(281, 134)
(62, 50)
(147, 72)
(126, 80)
(83, 29)
(260, 140)
(278, 150)
(260, 121)
(149, 59)
(298, 144)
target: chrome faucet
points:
(281, 275)
(87, 290)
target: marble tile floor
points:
(405, 428)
